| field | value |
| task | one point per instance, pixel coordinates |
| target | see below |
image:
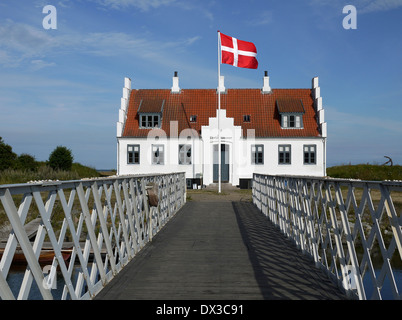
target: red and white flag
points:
(238, 53)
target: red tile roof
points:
(151, 106)
(262, 108)
(290, 105)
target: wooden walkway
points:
(220, 250)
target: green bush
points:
(26, 162)
(366, 172)
(7, 156)
(61, 158)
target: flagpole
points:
(219, 112)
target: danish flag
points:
(238, 53)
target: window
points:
(309, 154)
(149, 121)
(284, 154)
(193, 118)
(133, 154)
(246, 118)
(185, 154)
(158, 154)
(292, 121)
(257, 154)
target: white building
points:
(263, 130)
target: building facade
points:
(262, 130)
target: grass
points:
(43, 172)
(78, 171)
(372, 173)
(366, 172)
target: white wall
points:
(241, 166)
(240, 163)
(271, 157)
(171, 157)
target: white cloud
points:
(362, 6)
(40, 64)
(146, 5)
(265, 17)
(141, 4)
(20, 42)
(23, 44)
(378, 5)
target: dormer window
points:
(246, 118)
(291, 111)
(193, 118)
(149, 121)
(150, 112)
(292, 121)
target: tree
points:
(7, 156)
(26, 162)
(61, 158)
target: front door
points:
(224, 163)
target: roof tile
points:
(264, 115)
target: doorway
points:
(224, 163)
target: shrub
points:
(7, 156)
(61, 158)
(26, 162)
(366, 172)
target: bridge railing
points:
(84, 231)
(351, 228)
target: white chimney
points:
(221, 86)
(266, 88)
(175, 87)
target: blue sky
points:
(63, 86)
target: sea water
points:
(15, 278)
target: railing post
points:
(91, 233)
(311, 211)
(23, 240)
(112, 215)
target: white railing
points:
(84, 231)
(351, 228)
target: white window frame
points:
(284, 149)
(311, 149)
(297, 121)
(158, 154)
(255, 150)
(184, 158)
(133, 149)
(149, 120)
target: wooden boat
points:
(46, 256)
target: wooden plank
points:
(31, 228)
(220, 250)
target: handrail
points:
(90, 228)
(351, 228)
